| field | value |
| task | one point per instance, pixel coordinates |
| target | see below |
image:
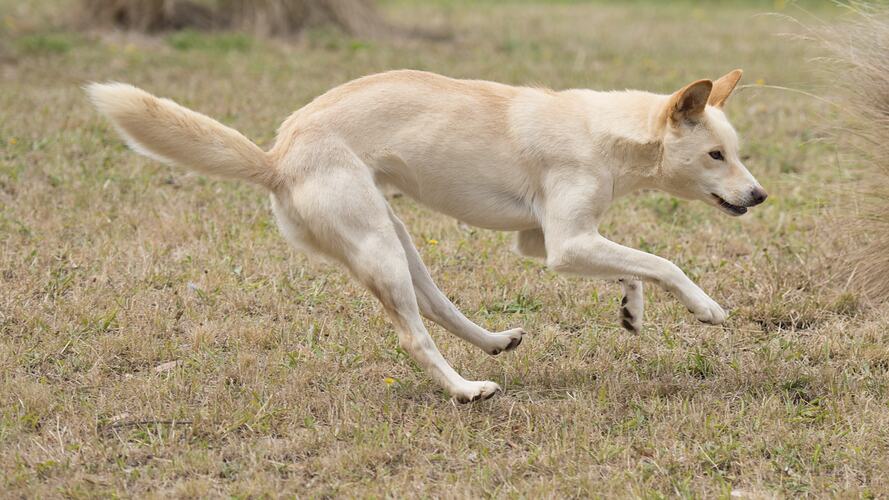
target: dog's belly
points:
(495, 212)
(480, 204)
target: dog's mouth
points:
(733, 210)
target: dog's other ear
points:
(723, 88)
(689, 102)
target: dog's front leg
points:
(574, 246)
(593, 255)
(531, 243)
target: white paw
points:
(631, 316)
(631, 306)
(476, 391)
(705, 309)
(505, 341)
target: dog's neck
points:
(636, 145)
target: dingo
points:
(543, 163)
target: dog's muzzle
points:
(757, 196)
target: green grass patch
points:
(46, 43)
(189, 40)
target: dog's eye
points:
(717, 155)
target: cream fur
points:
(545, 164)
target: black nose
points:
(758, 195)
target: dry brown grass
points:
(286, 377)
(860, 68)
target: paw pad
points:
(628, 326)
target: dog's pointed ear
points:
(723, 88)
(689, 102)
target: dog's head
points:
(700, 156)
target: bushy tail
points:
(163, 130)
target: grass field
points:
(158, 337)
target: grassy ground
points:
(158, 337)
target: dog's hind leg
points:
(632, 305)
(348, 220)
(436, 306)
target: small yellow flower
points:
(760, 81)
(389, 380)
(13, 141)
(432, 242)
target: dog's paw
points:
(706, 310)
(506, 341)
(631, 306)
(476, 391)
(632, 322)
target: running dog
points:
(542, 163)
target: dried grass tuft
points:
(256, 17)
(146, 16)
(859, 68)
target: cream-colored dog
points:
(543, 163)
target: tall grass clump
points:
(255, 17)
(859, 70)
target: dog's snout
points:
(758, 195)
